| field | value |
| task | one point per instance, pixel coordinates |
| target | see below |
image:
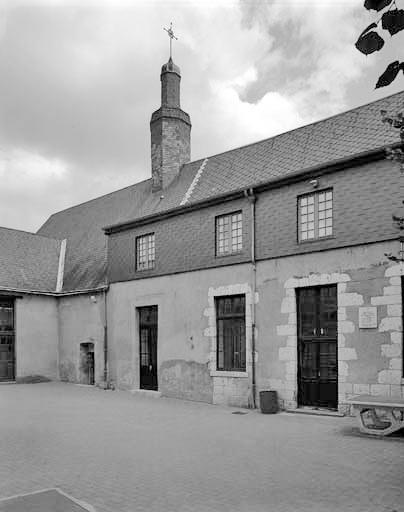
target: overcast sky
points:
(79, 81)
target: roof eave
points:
(314, 171)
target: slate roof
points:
(27, 261)
(339, 137)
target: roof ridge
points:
(359, 107)
(31, 233)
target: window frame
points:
(316, 214)
(150, 266)
(232, 317)
(239, 238)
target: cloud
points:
(80, 80)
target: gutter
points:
(249, 194)
(7, 290)
(312, 172)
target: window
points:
(315, 215)
(229, 237)
(145, 252)
(230, 325)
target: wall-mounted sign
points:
(368, 317)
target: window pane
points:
(229, 233)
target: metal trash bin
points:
(268, 402)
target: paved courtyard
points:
(120, 452)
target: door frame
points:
(155, 386)
(12, 301)
(317, 339)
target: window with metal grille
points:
(229, 233)
(315, 215)
(230, 325)
(145, 252)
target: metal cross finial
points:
(171, 35)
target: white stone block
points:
(385, 300)
(292, 282)
(391, 350)
(347, 354)
(395, 363)
(209, 331)
(291, 368)
(291, 341)
(341, 314)
(350, 299)
(389, 377)
(346, 327)
(290, 292)
(342, 369)
(396, 337)
(341, 340)
(396, 391)
(292, 319)
(392, 323)
(209, 312)
(344, 388)
(339, 278)
(288, 305)
(394, 310)
(391, 290)
(380, 389)
(361, 389)
(341, 288)
(286, 330)
(395, 270)
(395, 281)
(287, 354)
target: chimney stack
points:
(170, 129)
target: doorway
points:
(87, 363)
(148, 347)
(7, 339)
(317, 347)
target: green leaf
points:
(376, 5)
(369, 43)
(389, 74)
(393, 21)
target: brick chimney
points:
(170, 129)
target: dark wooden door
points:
(7, 337)
(148, 347)
(317, 347)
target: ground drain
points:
(239, 412)
(49, 500)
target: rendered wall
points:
(36, 342)
(81, 320)
(186, 333)
(369, 360)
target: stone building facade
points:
(259, 268)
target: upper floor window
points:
(229, 236)
(315, 215)
(145, 252)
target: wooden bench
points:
(367, 408)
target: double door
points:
(148, 347)
(317, 347)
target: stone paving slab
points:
(125, 453)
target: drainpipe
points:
(249, 193)
(105, 342)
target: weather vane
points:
(171, 35)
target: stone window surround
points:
(210, 313)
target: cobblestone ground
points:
(124, 453)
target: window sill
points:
(318, 239)
(235, 253)
(224, 373)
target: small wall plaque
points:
(368, 317)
